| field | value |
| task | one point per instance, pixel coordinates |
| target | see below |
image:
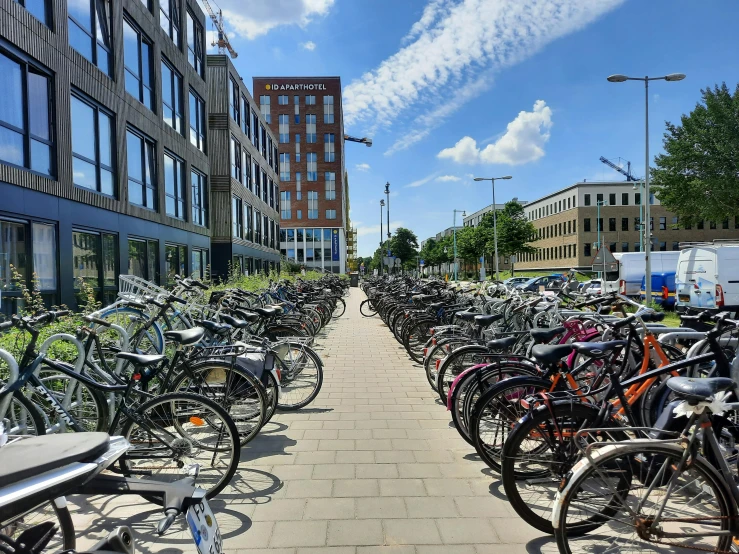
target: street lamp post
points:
(454, 232)
(600, 203)
(382, 203)
(495, 219)
(647, 206)
(387, 192)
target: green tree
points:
(698, 175)
(404, 245)
(471, 242)
(515, 231)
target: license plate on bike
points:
(204, 528)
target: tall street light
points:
(495, 219)
(600, 203)
(647, 208)
(387, 192)
(382, 203)
(454, 232)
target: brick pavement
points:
(371, 467)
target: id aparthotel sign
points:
(296, 86)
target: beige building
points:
(568, 222)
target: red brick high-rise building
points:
(306, 114)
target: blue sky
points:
(448, 89)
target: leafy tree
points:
(404, 245)
(698, 175)
(515, 231)
(471, 242)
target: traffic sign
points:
(605, 261)
(422, 262)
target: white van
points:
(708, 276)
(632, 269)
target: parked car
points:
(514, 281)
(594, 286)
(548, 282)
(632, 268)
(663, 289)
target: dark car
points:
(548, 282)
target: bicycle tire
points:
(282, 351)
(340, 308)
(23, 408)
(68, 539)
(367, 309)
(185, 445)
(455, 363)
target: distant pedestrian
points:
(302, 270)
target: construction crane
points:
(363, 140)
(222, 42)
(619, 167)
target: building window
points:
(95, 256)
(175, 256)
(257, 180)
(233, 99)
(235, 154)
(297, 148)
(662, 223)
(587, 200)
(330, 185)
(625, 202)
(328, 109)
(138, 63)
(264, 141)
(271, 233)
(675, 223)
(724, 223)
(270, 154)
(271, 193)
(237, 221)
(284, 166)
(712, 224)
(612, 199)
(611, 224)
(312, 159)
(199, 263)
(310, 128)
(142, 188)
(310, 100)
(26, 117)
(329, 154)
(296, 101)
(265, 192)
(89, 30)
(169, 19)
(245, 119)
(246, 168)
(599, 198)
(143, 259)
(265, 231)
(282, 100)
(199, 186)
(39, 9)
(276, 158)
(248, 216)
(312, 205)
(637, 198)
(662, 246)
(285, 208)
(284, 128)
(255, 129)
(299, 214)
(675, 245)
(92, 147)
(174, 186)
(700, 225)
(195, 44)
(586, 225)
(197, 121)
(587, 250)
(264, 107)
(600, 224)
(257, 227)
(172, 109)
(298, 183)
(31, 249)
(330, 214)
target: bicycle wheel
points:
(497, 411)
(23, 417)
(301, 374)
(416, 338)
(539, 452)
(233, 388)
(454, 364)
(173, 432)
(54, 511)
(367, 309)
(693, 503)
(340, 307)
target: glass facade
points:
(312, 247)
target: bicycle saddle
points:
(695, 390)
(436, 306)
(233, 322)
(501, 344)
(213, 327)
(186, 337)
(485, 320)
(466, 316)
(32, 456)
(598, 349)
(141, 360)
(266, 312)
(546, 335)
(550, 354)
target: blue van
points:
(663, 289)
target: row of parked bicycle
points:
(182, 379)
(609, 430)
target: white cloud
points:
(310, 45)
(362, 167)
(523, 141)
(375, 229)
(448, 178)
(455, 49)
(254, 18)
(423, 181)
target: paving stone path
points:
(371, 467)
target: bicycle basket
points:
(136, 289)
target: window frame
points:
(199, 203)
(284, 166)
(330, 191)
(151, 161)
(101, 289)
(200, 119)
(328, 113)
(142, 38)
(101, 25)
(195, 58)
(99, 166)
(237, 217)
(329, 148)
(180, 202)
(175, 88)
(174, 18)
(311, 163)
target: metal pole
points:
(387, 192)
(380, 226)
(647, 207)
(495, 233)
(597, 224)
(454, 233)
